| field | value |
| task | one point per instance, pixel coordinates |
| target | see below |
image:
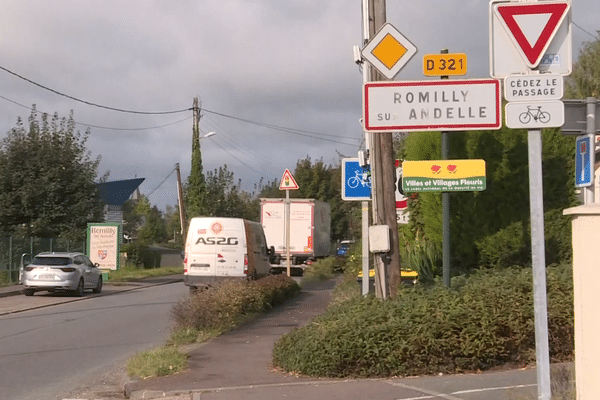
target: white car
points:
(71, 272)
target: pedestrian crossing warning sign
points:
(287, 181)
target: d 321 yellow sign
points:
(443, 176)
(445, 64)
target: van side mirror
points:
(271, 250)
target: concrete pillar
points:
(586, 287)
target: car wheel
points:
(28, 292)
(98, 287)
(79, 291)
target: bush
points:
(508, 246)
(5, 278)
(229, 303)
(140, 255)
(323, 269)
(423, 256)
(425, 330)
(512, 245)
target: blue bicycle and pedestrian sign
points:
(356, 180)
(584, 161)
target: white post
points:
(368, 141)
(365, 248)
(540, 302)
(588, 192)
(287, 231)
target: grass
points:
(5, 279)
(161, 361)
(209, 313)
(130, 273)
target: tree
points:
(144, 222)
(195, 197)
(154, 229)
(485, 224)
(584, 81)
(324, 182)
(225, 199)
(47, 179)
(173, 224)
(132, 220)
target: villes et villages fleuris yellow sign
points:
(443, 176)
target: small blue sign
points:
(356, 180)
(584, 161)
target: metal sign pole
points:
(287, 231)
(540, 302)
(591, 129)
(368, 143)
(365, 246)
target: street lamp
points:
(209, 134)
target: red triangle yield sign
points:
(287, 181)
(520, 19)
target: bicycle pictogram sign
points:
(356, 180)
(535, 114)
(360, 178)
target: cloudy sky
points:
(276, 79)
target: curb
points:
(158, 394)
(9, 293)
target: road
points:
(47, 352)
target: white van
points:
(224, 248)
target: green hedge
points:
(485, 323)
(225, 305)
(140, 255)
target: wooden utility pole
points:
(181, 205)
(387, 268)
(196, 122)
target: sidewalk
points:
(237, 365)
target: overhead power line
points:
(594, 36)
(89, 102)
(310, 134)
(103, 127)
(314, 135)
(226, 151)
(163, 181)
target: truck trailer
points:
(310, 229)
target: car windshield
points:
(51, 261)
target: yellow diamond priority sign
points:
(389, 51)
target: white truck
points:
(310, 230)
(218, 249)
